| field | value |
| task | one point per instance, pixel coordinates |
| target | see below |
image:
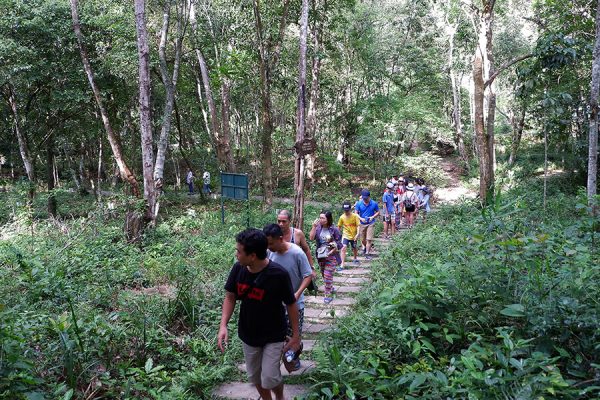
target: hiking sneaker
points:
(297, 365)
(368, 257)
(356, 261)
(339, 268)
(327, 300)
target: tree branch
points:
(505, 66)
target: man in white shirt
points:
(206, 181)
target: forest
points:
(112, 272)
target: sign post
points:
(234, 186)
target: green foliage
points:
(137, 321)
(500, 305)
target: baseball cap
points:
(346, 206)
(365, 193)
(390, 185)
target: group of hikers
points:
(189, 180)
(275, 266)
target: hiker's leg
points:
(370, 234)
(343, 251)
(271, 378)
(253, 357)
(328, 275)
(363, 236)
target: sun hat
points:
(365, 193)
(390, 185)
(410, 186)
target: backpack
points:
(408, 204)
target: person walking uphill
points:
(328, 239)
(389, 211)
(294, 261)
(348, 224)
(189, 179)
(367, 211)
(263, 287)
(293, 235)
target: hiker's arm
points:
(303, 285)
(226, 313)
(313, 231)
(294, 342)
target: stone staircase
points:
(318, 317)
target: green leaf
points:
(148, 366)
(418, 381)
(513, 310)
(68, 395)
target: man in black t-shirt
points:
(263, 287)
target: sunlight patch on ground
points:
(454, 194)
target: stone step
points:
(338, 303)
(347, 281)
(322, 316)
(309, 345)
(351, 290)
(247, 391)
(353, 273)
(305, 367)
(310, 329)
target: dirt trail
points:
(455, 190)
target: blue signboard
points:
(234, 186)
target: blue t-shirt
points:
(365, 211)
(388, 201)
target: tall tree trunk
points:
(220, 137)
(516, 139)
(225, 124)
(593, 135)
(300, 122)
(311, 117)
(145, 110)
(23, 147)
(203, 109)
(100, 167)
(456, 108)
(170, 83)
(266, 116)
(113, 138)
(484, 137)
(50, 166)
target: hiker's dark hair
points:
(253, 241)
(329, 217)
(273, 231)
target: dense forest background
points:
(381, 79)
(105, 105)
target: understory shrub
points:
(493, 304)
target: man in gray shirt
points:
(294, 261)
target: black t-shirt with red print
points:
(262, 314)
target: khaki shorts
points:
(367, 232)
(263, 364)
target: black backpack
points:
(408, 204)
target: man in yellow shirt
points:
(348, 224)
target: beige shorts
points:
(263, 364)
(367, 232)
